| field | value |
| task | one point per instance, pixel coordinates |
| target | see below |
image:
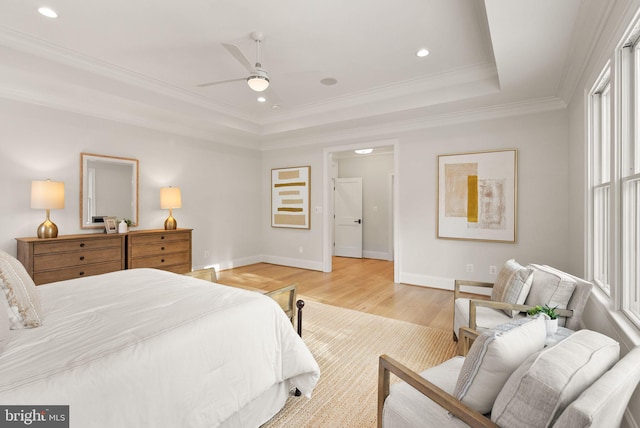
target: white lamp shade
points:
(170, 198)
(258, 83)
(47, 194)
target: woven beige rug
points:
(347, 345)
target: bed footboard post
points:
(299, 305)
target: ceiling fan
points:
(258, 79)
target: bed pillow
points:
(540, 389)
(20, 292)
(512, 285)
(4, 323)
(494, 355)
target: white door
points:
(347, 197)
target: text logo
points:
(34, 416)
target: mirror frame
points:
(84, 158)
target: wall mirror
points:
(108, 188)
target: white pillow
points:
(551, 287)
(512, 285)
(20, 292)
(494, 355)
(540, 389)
(4, 322)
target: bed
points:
(145, 347)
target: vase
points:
(552, 326)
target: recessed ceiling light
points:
(422, 53)
(275, 106)
(261, 99)
(48, 12)
(329, 81)
(363, 151)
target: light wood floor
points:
(364, 285)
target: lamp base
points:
(47, 229)
(170, 223)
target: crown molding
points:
(393, 129)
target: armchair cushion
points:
(603, 403)
(540, 389)
(406, 407)
(512, 285)
(493, 357)
(551, 287)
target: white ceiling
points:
(141, 61)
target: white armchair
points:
(569, 385)
(516, 290)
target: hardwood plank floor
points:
(364, 285)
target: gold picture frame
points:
(477, 196)
(290, 197)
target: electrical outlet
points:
(301, 250)
(470, 268)
(206, 254)
(493, 270)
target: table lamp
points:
(169, 199)
(47, 195)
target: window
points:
(601, 179)
(614, 178)
(630, 179)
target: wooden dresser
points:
(71, 256)
(161, 249)
(75, 256)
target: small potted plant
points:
(550, 314)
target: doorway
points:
(391, 188)
(347, 217)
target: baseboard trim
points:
(378, 255)
(297, 263)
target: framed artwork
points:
(477, 196)
(110, 224)
(290, 192)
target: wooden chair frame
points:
(448, 402)
(475, 303)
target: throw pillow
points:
(540, 389)
(494, 355)
(20, 292)
(550, 287)
(512, 285)
(4, 323)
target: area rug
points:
(347, 345)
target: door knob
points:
(359, 221)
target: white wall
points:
(221, 186)
(542, 235)
(543, 193)
(374, 170)
(293, 247)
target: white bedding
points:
(148, 348)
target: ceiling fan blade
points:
(239, 56)
(202, 85)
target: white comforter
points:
(147, 348)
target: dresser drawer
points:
(75, 245)
(160, 261)
(78, 258)
(160, 248)
(155, 238)
(75, 272)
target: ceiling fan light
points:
(258, 83)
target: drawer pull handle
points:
(162, 237)
(81, 257)
(162, 261)
(162, 248)
(81, 272)
(82, 245)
